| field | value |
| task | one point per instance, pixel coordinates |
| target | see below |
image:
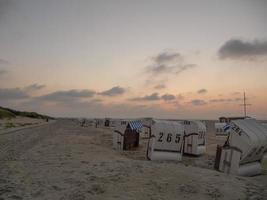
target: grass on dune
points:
(10, 113)
(6, 114)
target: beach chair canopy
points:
(250, 137)
(135, 125)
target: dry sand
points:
(65, 161)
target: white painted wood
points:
(245, 148)
(166, 141)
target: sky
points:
(121, 58)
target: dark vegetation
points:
(10, 113)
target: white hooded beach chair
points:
(165, 141)
(195, 137)
(244, 149)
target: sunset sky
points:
(144, 58)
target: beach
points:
(62, 160)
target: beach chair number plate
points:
(169, 137)
(201, 135)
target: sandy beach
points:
(62, 160)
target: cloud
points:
(12, 94)
(61, 98)
(168, 97)
(202, 91)
(236, 93)
(160, 86)
(96, 100)
(3, 72)
(198, 102)
(67, 95)
(34, 87)
(166, 57)
(161, 68)
(2, 61)
(154, 97)
(225, 100)
(180, 97)
(115, 91)
(64, 97)
(18, 93)
(239, 49)
(185, 67)
(168, 62)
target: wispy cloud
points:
(225, 100)
(236, 93)
(168, 62)
(202, 91)
(154, 97)
(64, 97)
(160, 86)
(185, 67)
(168, 97)
(34, 87)
(239, 49)
(3, 61)
(180, 97)
(115, 91)
(3, 72)
(67, 95)
(166, 57)
(96, 100)
(198, 102)
(19, 93)
(13, 94)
